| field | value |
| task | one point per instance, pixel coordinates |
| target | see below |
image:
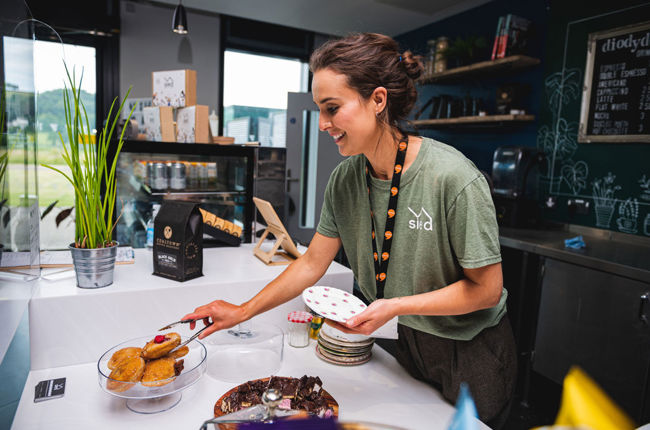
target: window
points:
(54, 191)
(255, 95)
(49, 79)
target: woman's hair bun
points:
(412, 64)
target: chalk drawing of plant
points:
(604, 201)
(562, 88)
(645, 187)
(559, 140)
(629, 212)
(575, 175)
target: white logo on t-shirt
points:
(426, 223)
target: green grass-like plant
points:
(89, 166)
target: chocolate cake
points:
(305, 393)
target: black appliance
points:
(514, 176)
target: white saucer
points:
(332, 303)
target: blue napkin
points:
(466, 416)
(575, 243)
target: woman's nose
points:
(323, 124)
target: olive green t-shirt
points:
(445, 222)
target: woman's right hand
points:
(222, 314)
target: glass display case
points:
(222, 179)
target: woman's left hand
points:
(376, 315)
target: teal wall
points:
(580, 169)
(575, 169)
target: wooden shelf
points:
(501, 65)
(485, 120)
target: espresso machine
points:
(515, 170)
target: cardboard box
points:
(175, 88)
(192, 125)
(159, 123)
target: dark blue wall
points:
(479, 144)
(578, 170)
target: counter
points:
(70, 325)
(379, 391)
(617, 253)
(70, 328)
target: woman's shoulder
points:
(447, 163)
(446, 158)
(351, 166)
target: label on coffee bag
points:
(178, 241)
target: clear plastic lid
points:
(246, 352)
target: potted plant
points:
(93, 250)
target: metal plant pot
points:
(94, 267)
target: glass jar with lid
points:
(299, 328)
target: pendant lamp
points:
(179, 23)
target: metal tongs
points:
(194, 336)
(266, 412)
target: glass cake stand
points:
(151, 400)
(255, 354)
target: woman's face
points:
(350, 120)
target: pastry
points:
(126, 374)
(180, 352)
(123, 354)
(159, 372)
(160, 346)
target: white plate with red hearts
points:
(332, 303)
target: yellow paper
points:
(585, 404)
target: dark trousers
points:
(487, 363)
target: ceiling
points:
(338, 17)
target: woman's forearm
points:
(462, 297)
(300, 274)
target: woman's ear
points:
(379, 97)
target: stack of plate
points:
(344, 349)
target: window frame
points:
(255, 41)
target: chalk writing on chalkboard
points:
(616, 95)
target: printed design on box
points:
(152, 126)
(169, 88)
(185, 125)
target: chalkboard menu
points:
(616, 92)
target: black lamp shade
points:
(179, 24)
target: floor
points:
(13, 373)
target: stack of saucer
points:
(343, 349)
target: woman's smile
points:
(337, 137)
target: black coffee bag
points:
(178, 241)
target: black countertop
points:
(616, 253)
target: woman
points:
(432, 216)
